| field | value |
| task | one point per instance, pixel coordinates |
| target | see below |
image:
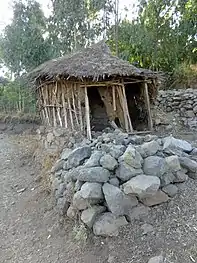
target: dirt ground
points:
(31, 231)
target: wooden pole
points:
(114, 97)
(80, 110)
(64, 107)
(126, 108)
(147, 102)
(87, 114)
(73, 101)
(123, 108)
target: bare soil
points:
(31, 231)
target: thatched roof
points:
(95, 62)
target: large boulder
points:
(91, 191)
(180, 177)
(93, 174)
(172, 145)
(62, 205)
(89, 215)
(171, 190)
(156, 199)
(173, 163)
(77, 156)
(118, 203)
(189, 164)
(142, 186)
(132, 157)
(149, 148)
(125, 172)
(80, 203)
(155, 166)
(139, 212)
(108, 224)
(108, 162)
(94, 160)
(167, 178)
(117, 150)
(65, 154)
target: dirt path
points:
(30, 231)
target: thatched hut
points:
(91, 89)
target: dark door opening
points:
(136, 106)
(98, 115)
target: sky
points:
(6, 10)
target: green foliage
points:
(15, 97)
(162, 37)
(23, 44)
(75, 24)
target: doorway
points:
(98, 115)
(136, 106)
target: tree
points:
(77, 23)
(23, 44)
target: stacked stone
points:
(116, 178)
(181, 102)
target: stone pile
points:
(116, 178)
(183, 103)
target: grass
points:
(80, 234)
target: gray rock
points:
(91, 191)
(155, 165)
(93, 174)
(77, 156)
(94, 159)
(80, 203)
(171, 144)
(125, 172)
(55, 184)
(57, 166)
(171, 190)
(78, 185)
(192, 175)
(117, 150)
(150, 137)
(180, 177)
(142, 185)
(138, 213)
(72, 212)
(167, 178)
(114, 181)
(62, 205)
(60, 190)
(108, 162)
(89, 215)
(132, 157)
(108, 224)
(156, 199)
(189, 164)
(146, 228)
(157, 259)
(65, 153)
(149, 148)
(173, 163)
(118, 203)
(194, 152)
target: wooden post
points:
(87, 114)
(127, 109)
(147, 102)
(114, 97)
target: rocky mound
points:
(116, 178)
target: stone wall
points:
(116, 178)
(182, 104)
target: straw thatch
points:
(95, 62)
